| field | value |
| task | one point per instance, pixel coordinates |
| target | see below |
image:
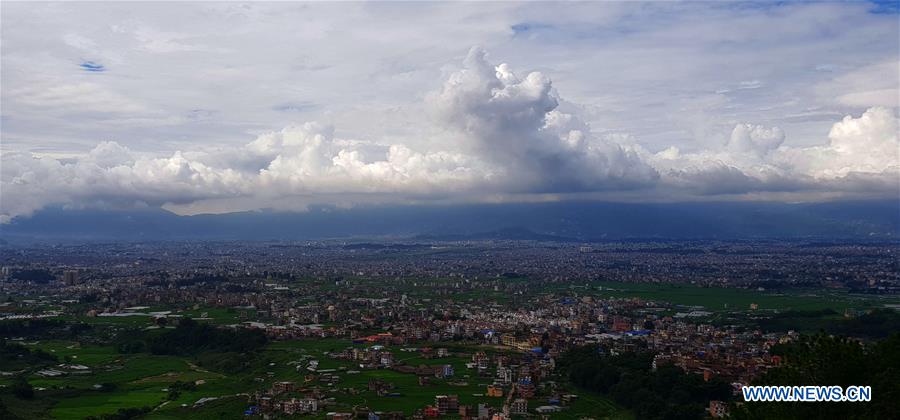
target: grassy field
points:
(137, 380)
(593, 405)
(731, 299)
(220, 316)
(87, 354)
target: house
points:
(446, 403)
(282, 387)
(519, 406)
(431, 411)
(548, 409)
(718, 409)
(445, 371)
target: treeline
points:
(123, 414)
(830, 360)
(877, 324)
(14, 356)
(28, 327)
(191, 338)
(665, 393)
(33, 275)
(191, 281)
(52, 328)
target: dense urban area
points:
(491, 329)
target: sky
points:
(218, 107)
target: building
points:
(445, 371)
(621, 324)
(504, 375)
(446, 403)
(387, 359)
(526, 388)
(300, 406)
(718, 409)
(282, 387)
(548, 409)
(494, 391)
(484, 412)
(519, 406)
(70, 277)
(431, 411)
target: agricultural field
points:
(719, 299)
(143, 380)
(143, 317)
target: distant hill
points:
(562, 221)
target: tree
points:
(829, 360)
(665, 393)
(22, 389)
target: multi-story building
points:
(519, 406)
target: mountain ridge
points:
(560, 221)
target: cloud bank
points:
(861, 155)
(495, 132)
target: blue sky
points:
(224, 106)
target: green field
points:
(220, 316)
(733, 299)
(141, 380)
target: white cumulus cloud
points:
(497, 132)
(514, 123)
